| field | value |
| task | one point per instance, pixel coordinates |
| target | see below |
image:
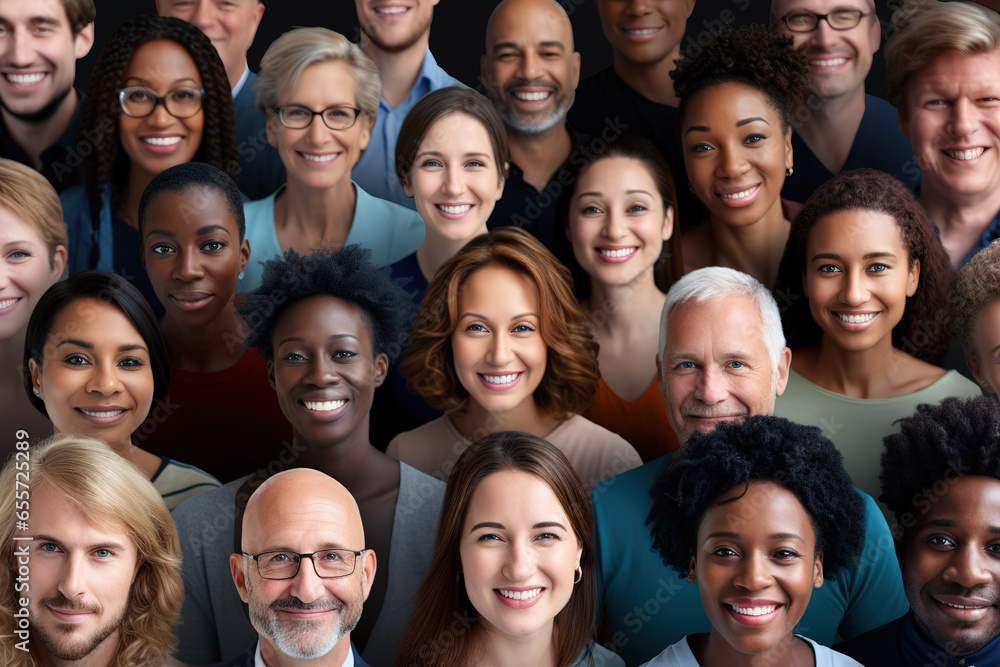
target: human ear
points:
(239, 575)
(693, 569)
(818, 570)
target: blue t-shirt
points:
(901, 644)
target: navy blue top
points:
(127, 263)
(60, 161)
(878, 145)
(900, 643)
(261, 169)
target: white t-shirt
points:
(680, 655)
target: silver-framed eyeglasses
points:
(296, 117)
(139, 102)
(328, 563)
(841, 19)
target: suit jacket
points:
(261, 170)
(246, 659)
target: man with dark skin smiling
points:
(941, 479)
(722, 358)
(40, 42)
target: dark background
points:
(458, 31)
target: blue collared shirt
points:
(990, 234)
(376, 171)
(901, 643)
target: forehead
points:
(515, 497)
(83, 316)
(303, 522)
(499, 289)
(322, 317)
(161, 61)
(780, 8)
(190, 206)
(30, 10)
(762, 508)
(717, 328)
(55, 516)
(722, 106)
(969, 503)
(528, 23)
(955, 71)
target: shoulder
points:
(595, 655)
(875, 646)
(628, 492)
(675, 655)
(209, 505)
(177, 482)
(953, 383)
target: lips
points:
(519, 598)
(739, 198)
(500, 382)
(827, 62)
(857, 321)
(101, 415)
(25, 79)
(962, 609)
(964, 154)
(453, 211)
(162, 144)
(7, 305)
(319, 158)
(754, 612)
(191, 300)
(616, 254)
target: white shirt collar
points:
(243, 79)
(258, 661)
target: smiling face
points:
(617, 221)
(756, 573)
(839, 60)
(160, 141)
(38, 54)
(500, 355)
(530, 69)
(26, 271)
(324, 369)
(96, 377)
(519, 554)
(317, 156)
(951, 566)
(455, 180)
(986, 337)
(716, 366)
(736, 152)
(81, 576)
(644, 33)
(192, 252)
(395, 25)
(951, 115)
(857, 277)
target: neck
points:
(790, 652)
(215, 346)
(329, 211)
(234, 72)
(473, 419)
(503, 650)
(754, 249)
(335, 658)
(950, 210)
(651, 81)
(540, 155)
(436, 250)
(625, 311)
(399, 69)
(34, 138)
(857, 374)
(353, 462)
(102, 656)
(838, 116)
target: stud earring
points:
(37, 392)
(240, 276)
(789, 171)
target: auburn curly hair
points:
(751, 55)
(107, 166)
(571, 371)
(923, 330)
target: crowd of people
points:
(690, 362)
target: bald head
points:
(300, 501)
(519, 12)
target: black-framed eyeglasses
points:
(296, 117)
(328, 563)
(139, 102)
(841, 19)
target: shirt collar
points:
(242, 82)
(917, 650)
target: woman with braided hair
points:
(737, 90)
(159, 97)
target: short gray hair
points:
(714, 283)
(285, 60)
(927, 28)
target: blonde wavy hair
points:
(112, 493)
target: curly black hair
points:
(760, 449)
(106, 165)
(936, 444)
(750, 55)
(922, 331)
(346, 274)
(183, 177)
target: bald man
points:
(530, 71)
(303, 610)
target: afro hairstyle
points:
(939, 442)
(346, 274)
(760, 449)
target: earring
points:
(579, 575)
(789, 171)
(242, 273)
(39, 393)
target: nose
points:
(4, 276)
(530, 66)
(104, 379)
(322, 372)
(73, 582)
(319, 133)
(160, 117)
(753, 573)
(732, 163)
(499, 353)
(823, 35)
(307, 586)
(520, 564)
(963, 118)
(204, 15)
(188, 267)
(855, 292)
(615, 226)
(967, 567)
(20, 51)
(712, 387)
(638, 7)
(453, 181)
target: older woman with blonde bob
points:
(515, 555)
(500, 343)
(320, 94)
(943, 75)
(100, 494)
(976, 315)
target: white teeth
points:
(162, 141)
(617, 253)
(323, 406)
(25, 79)
(741, 195)
(110, 413)
(958, 606)
(455, 210)
(520, 595)
(501, 379)
(856, 319)
(390, 10)
(533, 97)
(319, 158)
(7, 303)
(643, 31)
(965, 155)
(755, 611)
(832, 62)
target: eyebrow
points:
(739, 123)
(202, 230)
(90, 346)
(729, 356)
(146, 82)
(500, 526)
(299, 339)
(110, 545)
(323, 547)
(440, 154)
(950, 523)
(483, 317)
(599, 194)
(551, 43)
(867, 255)
(772, 536)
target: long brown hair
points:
(444, 628)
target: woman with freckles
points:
(758, 514)
(514, 558)
(867, 284)
(738, 89)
